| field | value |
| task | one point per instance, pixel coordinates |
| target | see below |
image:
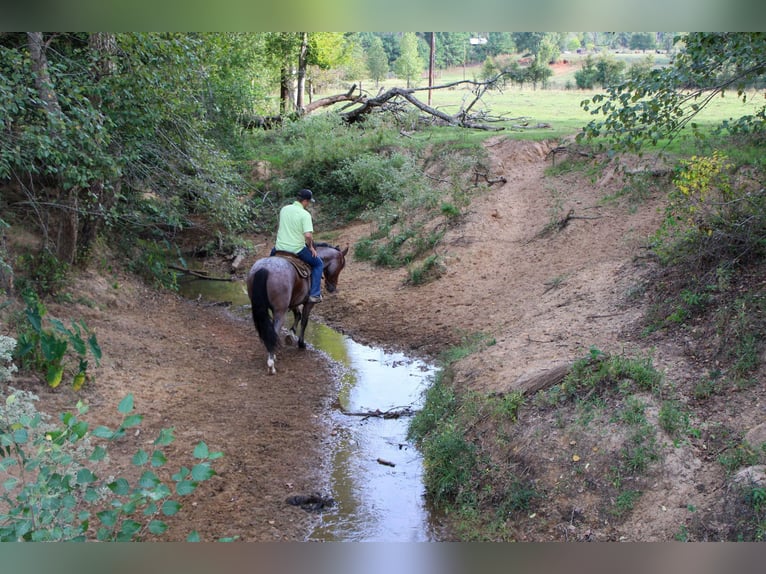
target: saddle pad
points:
(303, 268)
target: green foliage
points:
(42, 273)
(470, 344)
(603, 71)
(151, 259)
(460, 474)
(349, 169)
(625, 502)
(673, 418)
(107, 130)
(601, 372)
(377, 61)
(648, 108)
(7, 368)
(409, 65)
(55, 350)
(429, 270)
(54, 490)
(449, 463)
(738, 456)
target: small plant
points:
(708, 386)
(450, 210)
(429, 270)
(470, 344)
(625, 502)
(673, 419)
(683, 534)
(51, 488)
(601, 371)
(640, 450)
(50, 350)
(634, 412)
(738, 456)
(449, 463)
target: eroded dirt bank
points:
(545, 295)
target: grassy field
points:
(556, 106)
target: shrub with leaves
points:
(7, 368)
(50, 350)
(53, 488)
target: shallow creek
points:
(376, 474)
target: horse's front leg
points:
(292, 335)
(304, 322)
(279, 320)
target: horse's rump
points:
(301, 267)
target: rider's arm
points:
(310, 243)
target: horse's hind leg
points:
(270, 363)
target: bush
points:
(53, 350)
(52, 491)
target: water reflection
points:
(376, 477)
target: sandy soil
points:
(546, 296)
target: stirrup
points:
(315, 299)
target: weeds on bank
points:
(712, 246)
(462, 476)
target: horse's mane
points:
(324, 244)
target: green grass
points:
(557, 106)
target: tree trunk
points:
(43, 81)
(284, 90)
(302, 65)
(103, 46)
(64, 221)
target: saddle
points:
(301, 267)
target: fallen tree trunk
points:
(391, 101)
(531, 383)
(198, 274)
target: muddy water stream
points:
(376, 474)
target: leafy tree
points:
(643, 41)
(409, 65)
(93, 121)
(355, 66)
(645, 109)
(528, 41)
(291, 53)
(451, 48)
(377, 61)
(392, 45)
(499, 43)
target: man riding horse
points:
(295, 235)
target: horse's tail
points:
(261, 306)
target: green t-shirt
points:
(294, 221)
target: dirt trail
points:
(544, 297)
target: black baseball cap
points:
(306, 194)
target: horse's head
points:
(334, 261)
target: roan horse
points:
(274, 286)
